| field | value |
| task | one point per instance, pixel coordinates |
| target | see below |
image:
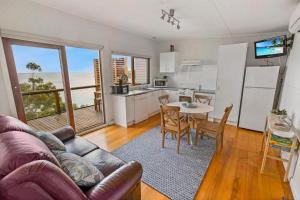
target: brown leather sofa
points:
(30, 177)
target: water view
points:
(270, 47)
(41, 81)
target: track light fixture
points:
(171, 18)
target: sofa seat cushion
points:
(8, 123)
(79, 146)
(51, 141)
(81, 171)
(19, 148)
(104, 161)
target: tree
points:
(38, 105)
(33, 67)
(43, 104)
(274, 42)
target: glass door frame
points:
(7, 44)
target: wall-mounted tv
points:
(272, 47)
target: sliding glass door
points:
(55, 85)
(85, 76)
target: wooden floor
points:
(84, 118)
(232, 174)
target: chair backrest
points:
(225, 117)
(170, 116)
(97, 94)
(203, 99)
(164, 99)
(185, 99)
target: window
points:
(136, 68)
(141, 70)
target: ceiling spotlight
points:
(171, 19)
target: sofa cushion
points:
(8, 123)
(81, 171)
(18, 148)
(104, 161)
(52, 142)
(80, 146)
(64, 134)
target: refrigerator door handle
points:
(267, 88)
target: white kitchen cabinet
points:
(153, 103)
(141, 107)
(130, 110)
(169, 62)
(173, 95)
(124, 110)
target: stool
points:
(286, 143)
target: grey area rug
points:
(176, 176)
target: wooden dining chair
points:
(97, 100)
(171, 123)
(200, 99)
(185, 99)
(213, 129)
(164, 99)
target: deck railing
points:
(56, 94)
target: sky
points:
(268, 43)
(79, 60)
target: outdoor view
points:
(129, 65)
(40, 78)
(121, 65)
(270, 47)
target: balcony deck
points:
(85, 118)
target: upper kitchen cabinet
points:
(169, 62)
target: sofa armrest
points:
(39, 180)
(118, 184)
(65, 133)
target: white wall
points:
(290, 101)
(29, 17)
(207, 50)
(4, 102)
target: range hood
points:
(191, 63)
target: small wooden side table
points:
(283, 140)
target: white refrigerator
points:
(258, 96)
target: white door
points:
(140, 108)
(130, 109)
(231, 68)
(261, 77)
(256, 105)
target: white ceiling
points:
(200, 18)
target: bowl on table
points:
(189, 105)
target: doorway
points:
(55, 85)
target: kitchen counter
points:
(143, 91)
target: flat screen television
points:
(272, 47)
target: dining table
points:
(198, 108)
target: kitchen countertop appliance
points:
(160, 83)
